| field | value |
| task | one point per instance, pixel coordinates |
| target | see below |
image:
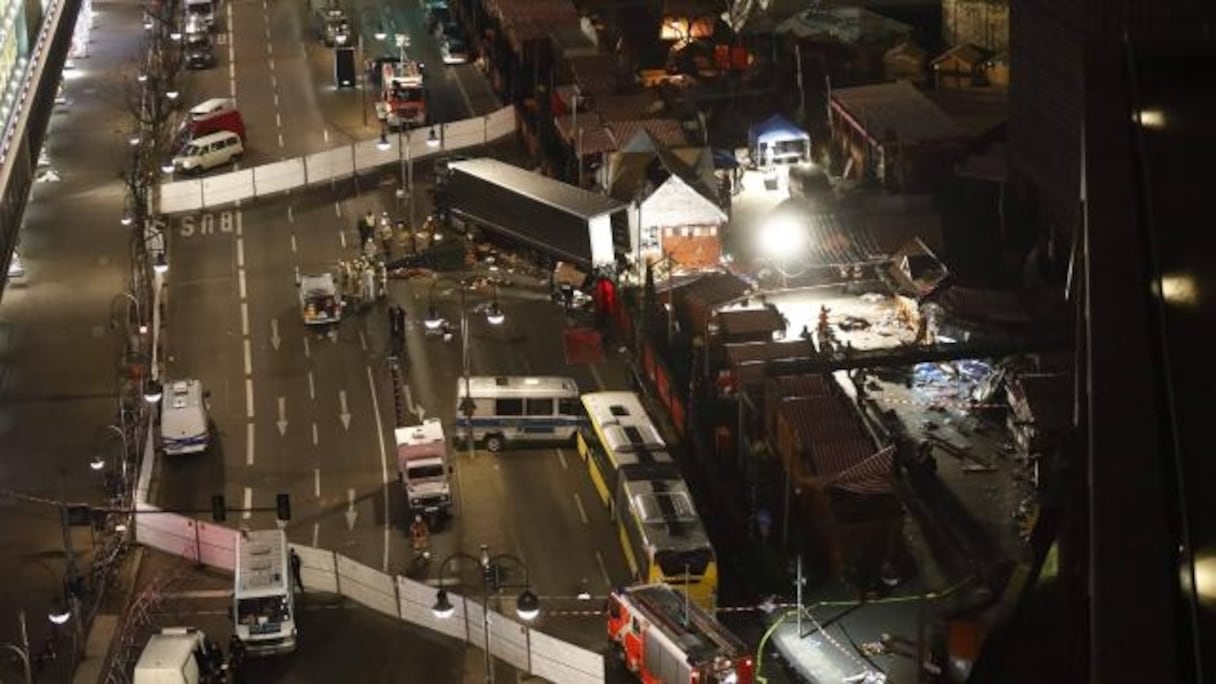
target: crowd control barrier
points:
(331, 165)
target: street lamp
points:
(783, 237)
(494, 316)
(153, 391)
(380, 33)
(432, 140)
(160, 266)
(527, 604)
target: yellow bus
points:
(660, 531)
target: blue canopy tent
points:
(778, 141)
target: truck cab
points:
(184, 426)
(174, 655)
(423, 469)
(402, 95)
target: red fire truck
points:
(402, 95)
(667, 639)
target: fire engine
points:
(402, 95)
(667, 639)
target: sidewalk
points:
(58, 356)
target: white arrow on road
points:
(274, 334)
(415, 409)
(344, 414)
(351, 513)
(282, 421)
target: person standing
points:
(236, 658)
(294, 559)
(366, 228)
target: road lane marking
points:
(280, 140)
(278, 120)
(582, 512)
(371, 386)
(599, 559)
(275, 340)
(276, 100)
(240, 253)
(362, 341)
(282, 421)
(463, 93)
(307, 349)
(271, 62)
(291, 215)
(325, 134)
(315, 438)
(248, 358)
(596, 374)
(296, 269)
(240, 221)
(232, 74)
(293, 243)
(240, 278)
(561, 456)
(245, 319)
(248, 503)
(312, 387)
(316, 482)
(248, 444)
(343, 412)
(338, 209)
(249, 397)
(342, 238)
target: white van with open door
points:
(184, 427)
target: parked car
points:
(437, 17)
(209, 152)
(335, 27)
(454, 50)
(199, 51)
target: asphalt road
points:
(310, 412)
(270, 59)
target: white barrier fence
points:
(338, 163)
(524, 648)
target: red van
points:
(214, 115)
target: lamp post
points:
(98, 461)
(494, 316)
(527, 605)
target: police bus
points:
(263, 594)
(663, 537)
(517, 409)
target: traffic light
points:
(282, 505)
(218, 510)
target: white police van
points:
(184, 426)
(517, 409)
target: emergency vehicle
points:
(667, 639)
(402, 95)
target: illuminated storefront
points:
(13, 51)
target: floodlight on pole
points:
(432, 140)
(160, 266)
(782, 235)
(383, 144)
(97, 463)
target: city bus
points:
(263, 595)
(663, 537)
(517, 409)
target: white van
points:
(209, 151)
(517, 409)
(173, 655)
(183, 417)
(201, 11)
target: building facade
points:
(980, 22)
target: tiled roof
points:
(896, 112)
(833, 440)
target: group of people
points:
(213, 667)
